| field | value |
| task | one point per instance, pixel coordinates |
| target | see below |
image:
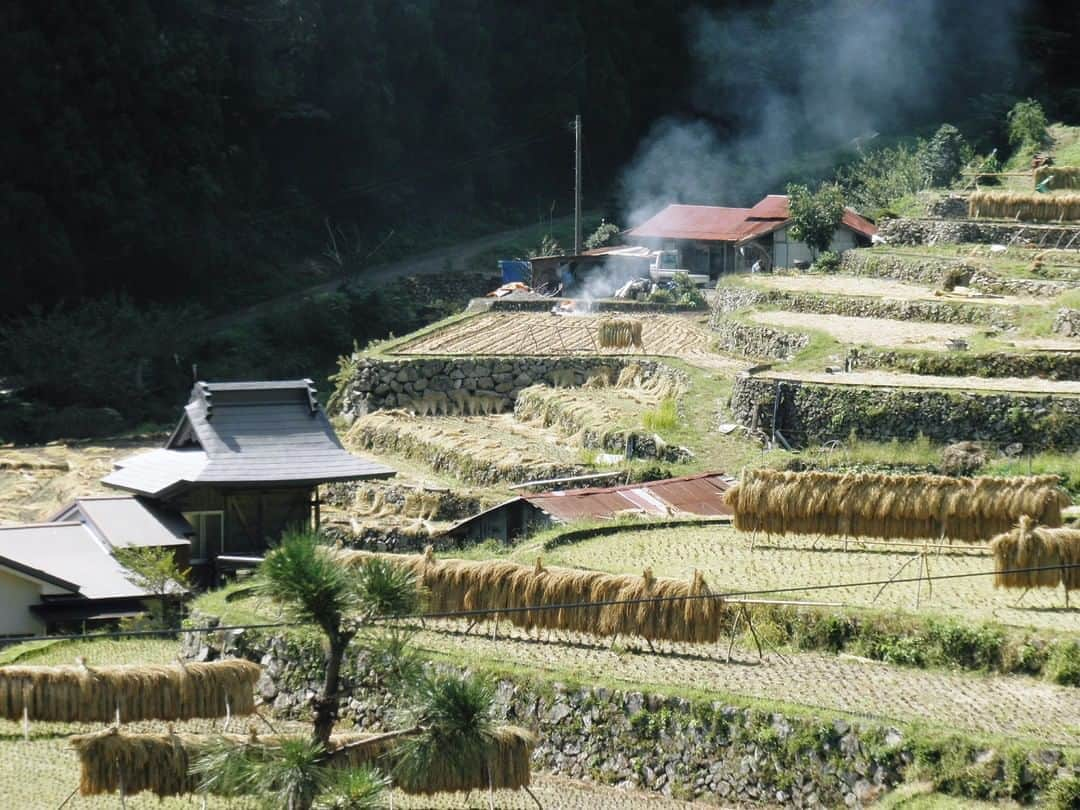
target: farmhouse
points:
(243, 465)
(59, 573)
(699, 495)
(714, 240)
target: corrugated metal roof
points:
(70, 552)
(704, 222)
(713, 223)
(123, 521)
(700, 495)
(250, 432)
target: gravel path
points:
(1011, 706)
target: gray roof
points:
(68, 552)
(245, 433)
(123, 521)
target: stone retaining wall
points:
(1049, 365)
(452, 386)
(690, 749)
(876, 263)
(903, 231)
(810, 413)
(730, 299)
(1067, 322)
(757, 341)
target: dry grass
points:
(160, 763)
(1033, 546)
(477, 450)
(1024, 206)
(593, 602)
(892, 506)
(1063, 176)
(136, 692)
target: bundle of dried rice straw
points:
(892, 506)
(84, 694)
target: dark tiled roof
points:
(245, 433)
(123, 521)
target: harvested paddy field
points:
(871, 331)
(1016, 706)
(531, 333)
(476, 449)
(36, 481)
(881, 287)
(725, 557)
(879, 379)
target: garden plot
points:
(871, 331)
(726, 559)
(480, 450)
(531, 333)
(1027, 385)
(882, 288)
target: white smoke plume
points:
(796, 77)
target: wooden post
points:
(918, 582)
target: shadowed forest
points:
(167, 161)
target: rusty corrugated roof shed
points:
(699, 495)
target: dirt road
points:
(453, 256)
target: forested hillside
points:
(183, 149)
(164, 162)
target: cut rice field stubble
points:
(531, 333)
(726, 559)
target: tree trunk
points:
(326, 704)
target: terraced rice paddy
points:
(871, 331)
(1027, 385)
(880, 287)
(530, 333)
(802, 563)
(476, 449)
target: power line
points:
(481, 612)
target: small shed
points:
(243, 465)
(689, 496)
(126, 521)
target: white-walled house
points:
(716, 240)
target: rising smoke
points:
(803, 77)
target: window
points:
(209, 531)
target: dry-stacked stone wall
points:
(810, 413)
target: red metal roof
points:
(705, 222)
(701, 495)
(774, 206)
(711, 223)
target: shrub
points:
(1027, 124)
(686, 292)
(661, 296)
(941, 159)
(1063, 664)
(606, 234)
(1064, 794)
(827, 262)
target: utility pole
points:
(577, 185)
